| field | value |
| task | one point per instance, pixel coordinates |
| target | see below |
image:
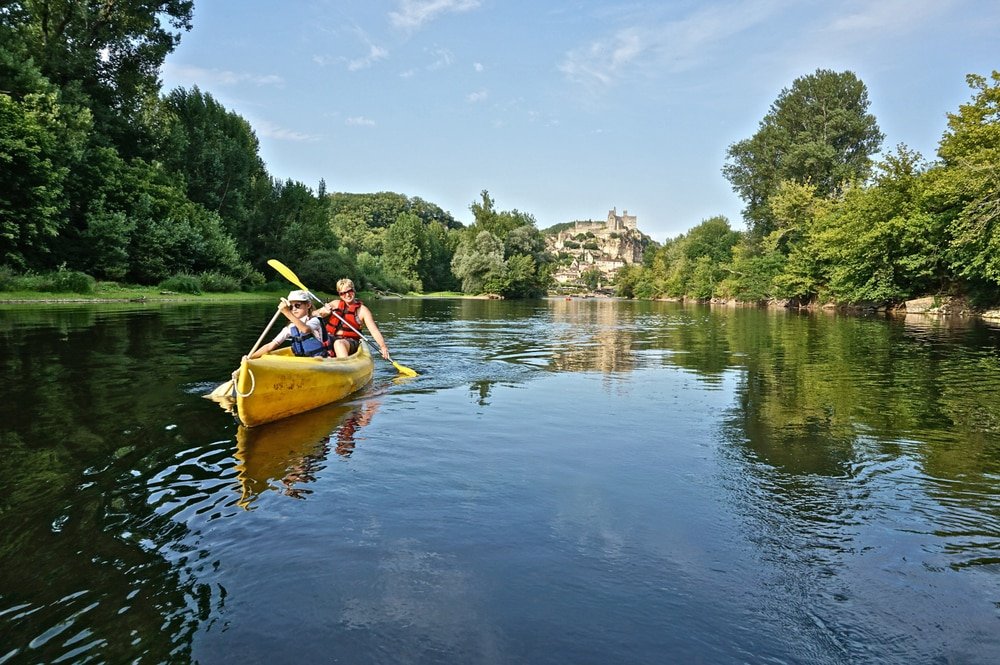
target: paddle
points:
(287, 273)
(226, 389)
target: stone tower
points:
(620, 222)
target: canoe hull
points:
(280, 385)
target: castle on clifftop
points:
(615, 222)
(607, 246)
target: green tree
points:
(40, 141)
(819, 131)
(966, 189)
(479, 262)
(300, 218)
(752, 272)
(435, 263)
(218, 154)
(103, 55)
(42, 144)
(691, 264)
(795, 208)
(404, 247)
(626, 281)
(879, 242)
(592, 278)
(519, 268)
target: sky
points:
(564, 109)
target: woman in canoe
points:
(304, 329)
(345, 318)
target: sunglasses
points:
(296, 305)
(344, 293)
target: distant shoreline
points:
(66, 299)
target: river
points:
(582, 481)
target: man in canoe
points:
(344, 319)
(304, 329)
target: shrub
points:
(274, 285)
(8, 280)
(63, 281)
(320, 270)
(72, 281)
(216, 282)
(182, 284)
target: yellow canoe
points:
(280, 384)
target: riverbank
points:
(928, 305)
(140, 294)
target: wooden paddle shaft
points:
(264, 334)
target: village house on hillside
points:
(607, 246)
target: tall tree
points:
(879, 244)
(502, 252)
(819, 131)
(404, 247)
(106, 54)
(967, 188)
(218, 154)
(41, 142)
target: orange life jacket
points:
(349, 313)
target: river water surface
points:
(583, 481)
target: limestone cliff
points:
(607, 246)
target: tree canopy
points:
(827, 223)
(818, 131)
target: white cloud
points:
(210, 77)
(671, 46)
(476, 97)
(359, 121)
(413, 14)
(889, 16)
(375, 53)
(442, 58)
(478, 66)
(269, 130)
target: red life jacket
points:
(349, 313)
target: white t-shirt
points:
(314, 323)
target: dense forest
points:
(829, 221)
(104, 176)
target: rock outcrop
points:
(607, 246)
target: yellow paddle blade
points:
(287, 273)
(403, 369)
(224, 390)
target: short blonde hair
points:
(344, 285)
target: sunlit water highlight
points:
(566, 481)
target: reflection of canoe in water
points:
(283, 454)
(280, 384)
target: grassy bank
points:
(122, 293)
(113, 292)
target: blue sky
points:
(560, 108)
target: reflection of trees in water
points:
(610, 335)
(481, 391)
(97, 560)
(838, 418)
